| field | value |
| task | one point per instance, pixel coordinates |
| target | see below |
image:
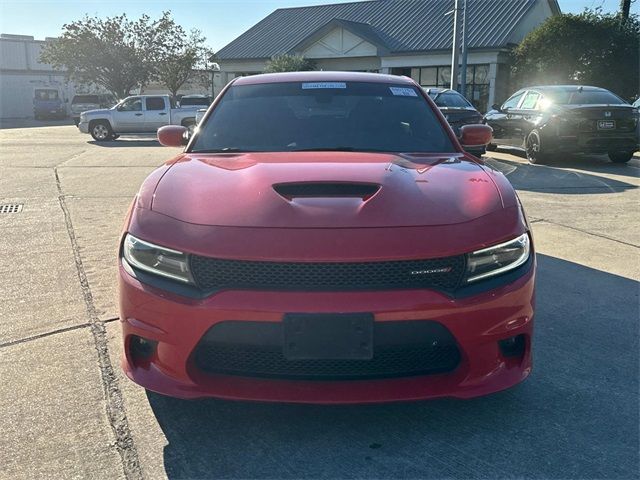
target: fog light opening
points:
(142, 348)
(513, 346)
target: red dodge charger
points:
(325, 238)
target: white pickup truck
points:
(136, 114)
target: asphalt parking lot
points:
(68, 412)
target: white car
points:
(135, 114)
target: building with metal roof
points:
(404, 37)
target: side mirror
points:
(475, 135)
(173, 135)
(497, 107)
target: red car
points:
(325, 239)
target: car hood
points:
(97, 112)
(325, 190)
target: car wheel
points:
(191, 126)
(101, 131)
(620, 157)
(534, 149)
(492, 147)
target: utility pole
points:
(625, 8)
(463, 73)
(456, 47)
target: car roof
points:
(322, 77)
(194, 95)
(441, 90)
(586, 88)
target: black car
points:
(457, 110)
(550, 120)
(195, 100)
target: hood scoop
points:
(291, 191)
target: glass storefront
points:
(477, 81)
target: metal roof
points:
(400, 26)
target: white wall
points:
(16, 92)
(340, 43)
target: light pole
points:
(463, 73)
(455, 47)
(214, 68)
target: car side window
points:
(132, 105)
(513, 101)
(530, 101)
(155, 103)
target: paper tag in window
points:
(316, 85)
(403, 92)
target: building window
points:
(440, 77)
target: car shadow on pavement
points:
(8, 123)
(127, 142)
(556, 178)
(590, 163)
(576, 417)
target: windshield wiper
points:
(324, 149)
(224, 150)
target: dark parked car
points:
(84, 103)
(457, 110)
(194, 100)
(550, 120)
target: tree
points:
(116, 53)
(625, 8)
(592, 48)
(183, 58)
(289, 63)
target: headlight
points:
(155, 259)
(498, 259)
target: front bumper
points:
(83, 126)
(178, 324)
(594, 143)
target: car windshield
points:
(450, 100)
(46, 94)
(298, 116)
(584, 97)
(86, 99)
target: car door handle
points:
(138, 114)
(163, 113)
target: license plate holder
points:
(606, 124)
(328, 336)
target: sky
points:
(220, 20)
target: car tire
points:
(190, 125)
(100, 131)
(535, 149)
(620, 157)
(492, 147)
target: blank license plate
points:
(327, 336)
(606, 124)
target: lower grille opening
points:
(254, 349)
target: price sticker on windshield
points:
(317, 85)
(403, 92)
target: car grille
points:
(217, 274)
(254, 349)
